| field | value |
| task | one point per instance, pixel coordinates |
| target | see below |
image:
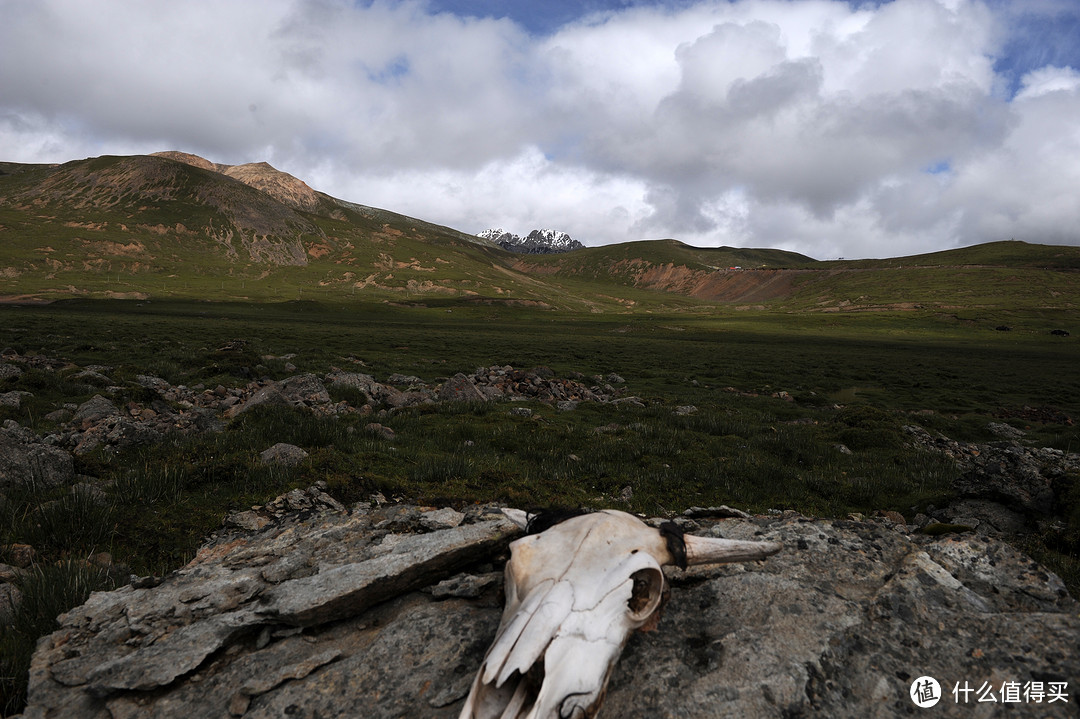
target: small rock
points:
(842, 449)
(58, 416)
(20, 555)
(306, 388)
(13, 399)
(520, 412)
(1005, 431)
(155, 383)
(380, 430)
(24, 461)
(247, 520)
(685, 410)
(10, 597)
(445, 518)
(284, 454)
(460, 389)
(723, 512)
(893, 517)
(9, 573)
(268, 396)
(464, 586)
(566, 405)
(404, 379)
(93, 377)
(94, 410)
(8, 371)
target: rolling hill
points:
(177, 225)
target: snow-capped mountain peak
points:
(537, 242)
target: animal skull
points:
(574, 593)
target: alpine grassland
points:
(759, 410)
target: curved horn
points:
(716, 550)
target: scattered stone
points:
(93, 377)
(10, 597)
(13, 399)
(380, 430)
(306, 389)
(1005, 431)
(464, 586)
(460, 389)
(404, 379)
(155, 383)
(116, 433)
(93, 411)
(20, 555)
(7, 371)
(721, 512)
(520, 412)
(248, 520)
(842, 448)
(685, 410)
(24, 461)
(893, 517)
(58, 416)
(9, 573)
(566, 405)
(445, 518)
(268, 396)
(284, 454)
(1009, 484)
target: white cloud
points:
(806, 124)
(520, 193)
(1048, 79)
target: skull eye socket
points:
(647, 593)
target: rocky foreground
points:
(304, 607)
(387, 611)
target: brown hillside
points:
(719, 286)
(282, 186)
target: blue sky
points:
(826, 127)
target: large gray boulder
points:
(318, 614)
(268, 396)
(460, 388)
(24, 460)
(305, 389)
(93, 411)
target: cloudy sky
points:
(856, 129)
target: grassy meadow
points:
(775, 394)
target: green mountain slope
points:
(153, 225)
(177, 225)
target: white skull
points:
(574, 593)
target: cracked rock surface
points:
(319, 613)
